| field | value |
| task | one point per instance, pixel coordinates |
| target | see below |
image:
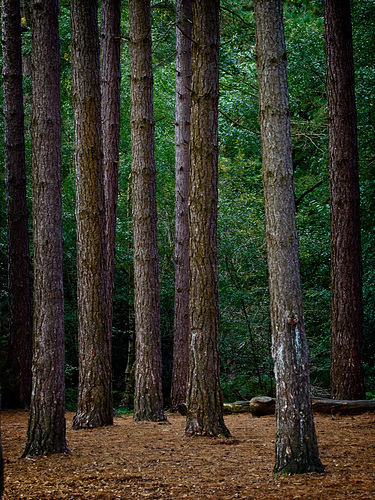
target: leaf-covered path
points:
(150, 460)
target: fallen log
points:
(265, 405)
(236, 407)
(333, 406)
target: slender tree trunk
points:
(347, 378)
(148, 399)
(46, 431)
(204, 398)
(296, 444)
(128, 398)
(181, 253)
(110, 87)
(19, 286)
(95, 406)
(129, 378)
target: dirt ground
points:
(150, 460)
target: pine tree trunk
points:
(347, 378)
(181, 254)
(129, 377)
(95, 406)
(110, 103)
(204, 399)
(19, 286)
(296, 444)
(128, 398)
(46, 430)
(148, 399)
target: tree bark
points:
(204, 399)
(148, 398)
(347, 377)
(110, 107)
(129, 378)
(296, 444)
(95, 406)
(181, 253)
(128, 397)
(19, 286)
(46, 430)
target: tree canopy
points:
(246, 365)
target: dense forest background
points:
(246, 364)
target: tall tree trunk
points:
(46, 431)
(181, 252)
(296, 444)
(204, 398)
(347, 378)
(110, 103)
(19, 286)
(95, 406)
(148, 398)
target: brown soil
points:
(150, 460)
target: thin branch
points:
(236, 15)
(310, 190)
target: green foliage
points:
(246, 364)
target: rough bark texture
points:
(19, 286)
(110, 87)
(181, 253)
(46, 431)
(347, 379)
(148, 399)
(296, 444)
(204, 399)
(95, 377)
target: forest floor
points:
(149, 460)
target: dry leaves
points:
(133, 460)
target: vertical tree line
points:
(19, 282)
(95, 407)
(204, 397)
(96, 104)
(182, 166)
(110, 73)
(347, 380)
(148, 398)
(296, 443)
(46, 430)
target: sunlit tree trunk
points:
(204, 398)
(46, 430)
(181, 253)
(95, 406)
(110, 103)
(347, 379)
(296, 443)
(148, 399)
(19, 286)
